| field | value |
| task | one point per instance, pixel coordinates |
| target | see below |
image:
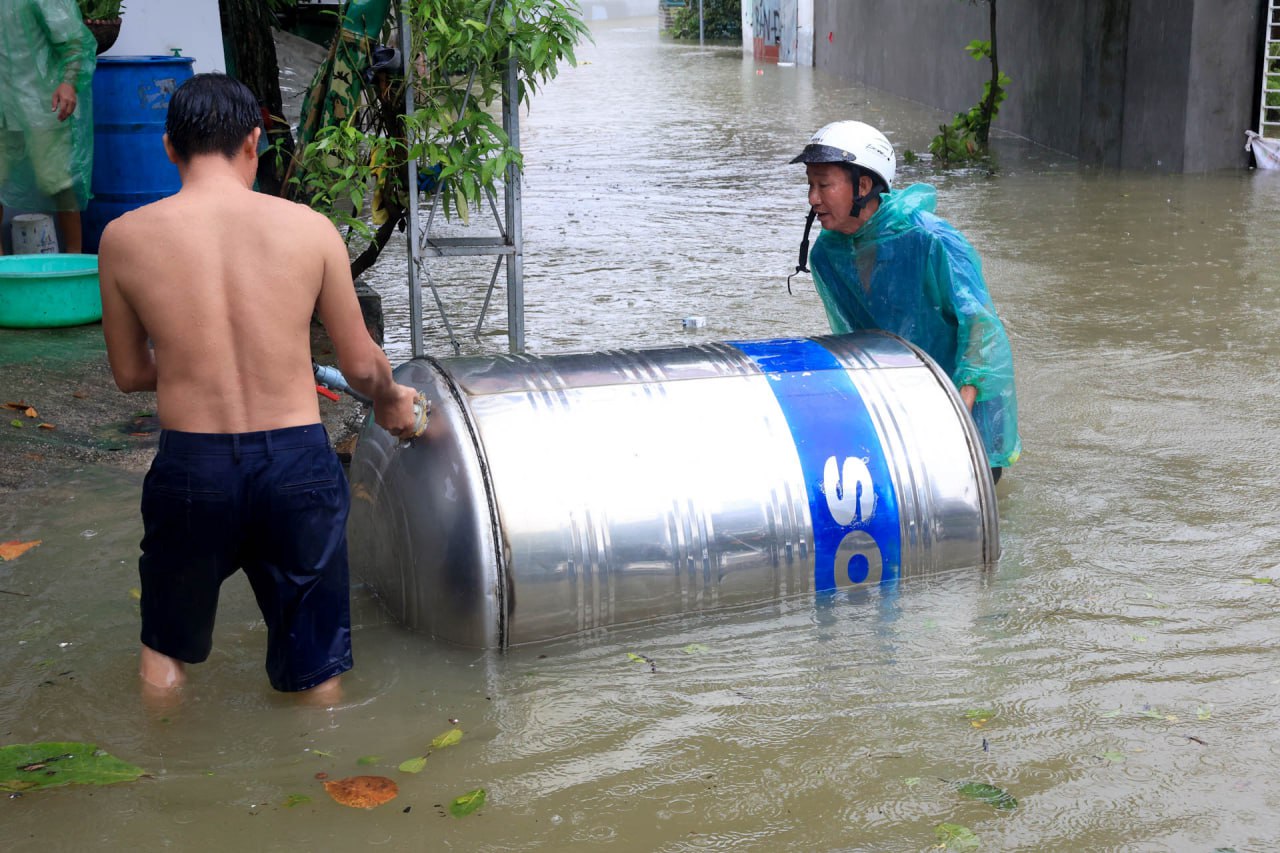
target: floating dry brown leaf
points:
(12, 550)
(362, 792)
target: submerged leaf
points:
(449, 738)
(366, 760)
(989, 794)
(26, 766)
(362, 792)
(295, 800)
(695, 649)
(1113, 755)
(467, 803)
(413, 765)
(953, 836)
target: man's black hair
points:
(211, 114)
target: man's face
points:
(831, 196)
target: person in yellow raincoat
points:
(47, 59)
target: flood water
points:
(1116, 673)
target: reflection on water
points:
(1122, 659)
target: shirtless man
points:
(223, 282)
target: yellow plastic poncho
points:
(44, 43)
(908, 272)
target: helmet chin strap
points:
(803, 265)
(860, 202)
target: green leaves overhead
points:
(461, 51)
(29, 766)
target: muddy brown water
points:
(1123, 654)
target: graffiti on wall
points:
(773, 30)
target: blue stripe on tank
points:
(829, 421)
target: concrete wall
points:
(778, 30)
(157, 27)
(1149, 84)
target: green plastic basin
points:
(43, 291)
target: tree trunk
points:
(251, 55)
(989, 104)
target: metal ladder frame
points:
(508, 243)
(1270, 53)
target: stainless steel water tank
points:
(553, 495)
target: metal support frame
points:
(1268, 116)
(508, 243)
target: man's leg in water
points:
(159, 670)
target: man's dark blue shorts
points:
(273, 503)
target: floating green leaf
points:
(953, 836)
(1260, 580)
(1113, 755)
(1204, 712)
(695, 649)
(1151, 713)
(413, 765)
(979, 713)
(467, 803)
(635, 657)
(295, 800)
(15, 423)
(28, 766)
(366, 760)
(989, 794)
(449, 738)
(321, 753)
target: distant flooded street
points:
(1117, 674)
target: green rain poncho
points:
(908, 272)
(44, 43)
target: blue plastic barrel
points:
(130, 101)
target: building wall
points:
(1158, 84)
(778, 30)
(158, 27)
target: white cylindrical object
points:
(33, 234)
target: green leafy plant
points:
(966, 137)
(461, 50)
(721, 20)
(100, 10)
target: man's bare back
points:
(223, 281)
(225, 284)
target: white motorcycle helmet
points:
(855, 143)
(855, 146)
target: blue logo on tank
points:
(856, 531)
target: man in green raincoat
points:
(884, 261)
(47, 58)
